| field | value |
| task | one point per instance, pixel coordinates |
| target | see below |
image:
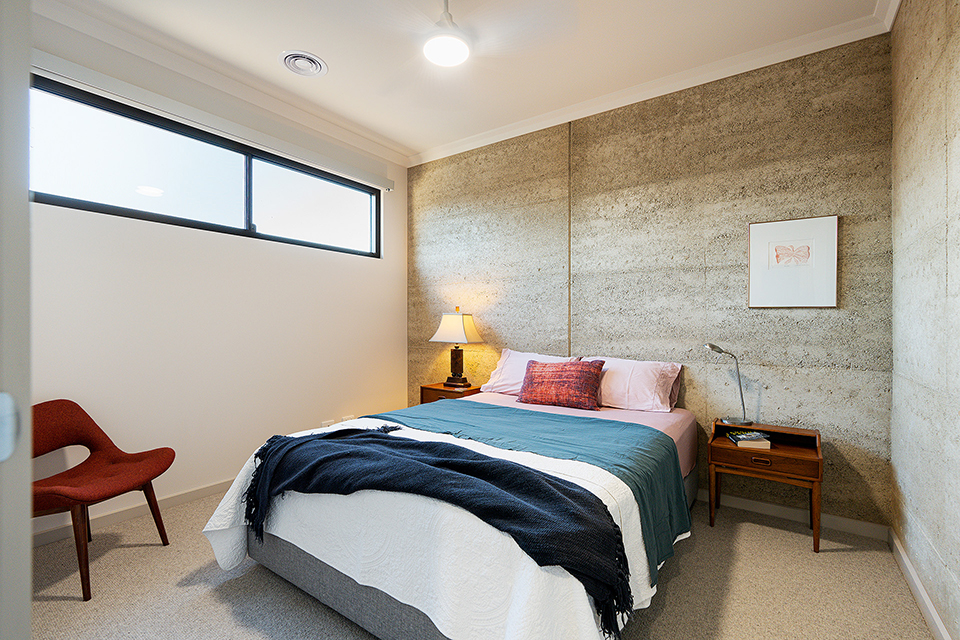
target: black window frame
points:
(250, 153)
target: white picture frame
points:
(793, 263)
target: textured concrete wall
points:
(925, 426)
(645, 209)
(489, 232)
(662, 195)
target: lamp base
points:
(739, 422)
(456, 381)
(456, 378)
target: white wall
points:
(204, 342)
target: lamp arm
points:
(743, 407)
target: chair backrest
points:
(60, 423)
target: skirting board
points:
(827, 521)
(41, 538)
(849, 525)
(930, 613)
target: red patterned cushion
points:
(564, 384)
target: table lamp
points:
(742, 422)
(457, 328)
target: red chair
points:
(108, 472)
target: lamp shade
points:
(457, 328)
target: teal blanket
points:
(643, 458)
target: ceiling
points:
(535, 63)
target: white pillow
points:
(508, 376)
(637, 385)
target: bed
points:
(409, 567)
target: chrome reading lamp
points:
(742, 422)
(457, 328)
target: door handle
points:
(9, 426)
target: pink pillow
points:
(638, 385)
(512, 367)
(563, 384)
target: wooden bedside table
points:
(433, 392)
(794, 457)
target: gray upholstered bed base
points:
(372, 609)
(380, 614)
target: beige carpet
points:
(749, 577)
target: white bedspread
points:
(469, 578)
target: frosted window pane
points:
(78, 151)
(292, 204)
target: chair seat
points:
(103, 475)
(106, 473)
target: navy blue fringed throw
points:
(555, 522)
(643, 458)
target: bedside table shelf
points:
(794, 457)
(434, 392)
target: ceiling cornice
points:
(886, 12)
(140, 40)
(148, 44)
(881, 22)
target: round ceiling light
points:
(303, 63)
(446, 49)
(448, 45)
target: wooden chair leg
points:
(155, 510)
(81, 531)
(86, 518)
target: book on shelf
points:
(749, 439)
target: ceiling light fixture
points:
(448, 45)
(303, 63)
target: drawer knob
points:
(763, 462)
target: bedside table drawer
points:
(432, 395)
(434, 392)
(765, 460)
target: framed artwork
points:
(793, 263)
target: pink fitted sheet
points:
(679, 424)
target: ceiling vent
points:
(303, 63)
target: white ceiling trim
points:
(95, 82)
(887, 11)
(880, 22)
(142, 41)
(202, 68)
